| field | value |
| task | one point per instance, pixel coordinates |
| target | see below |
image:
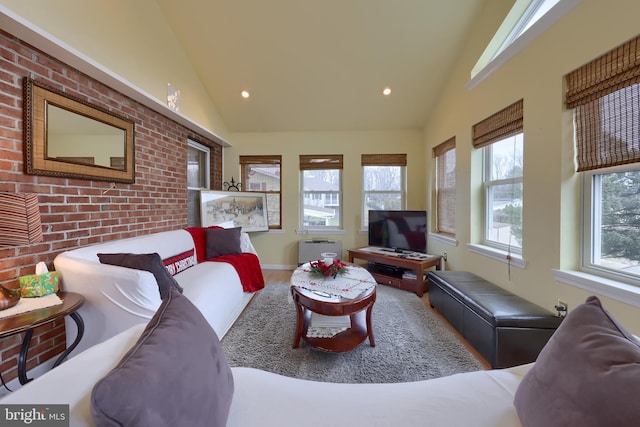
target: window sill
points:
(497, 255)
(307, 231)
(618, 291)
(444, 238)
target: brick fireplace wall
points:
(78, 212)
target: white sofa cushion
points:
(478, 399)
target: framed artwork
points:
(234, 209)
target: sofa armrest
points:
(246, 245)
(115, 297)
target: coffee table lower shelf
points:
(358, 310)
(346, 340)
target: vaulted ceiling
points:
(322, 65)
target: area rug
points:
(411, 343)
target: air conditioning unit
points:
(311, 250)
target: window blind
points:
(320, 161)
(605, 96)
(446, 186)
(264, 160)
(384, 160)
(503, 124)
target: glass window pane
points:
(262, 177)
(321, 198)
(506, 158)
(616, 228)
(196, 168)
(505, 207)
(273, 208)
(381, 178)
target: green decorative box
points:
(38, 285)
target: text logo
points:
(34, 415)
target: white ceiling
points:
(322, 65)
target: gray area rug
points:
(411, 343)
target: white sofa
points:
(260, 398)
(117, 297)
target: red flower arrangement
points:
(319, 268)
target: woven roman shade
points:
(503, 124)
(440, 149)
(606, 74)
(320, 161)
(384, 160)
(20, 222)
(606, 97)
(446, 186)
(261, 160)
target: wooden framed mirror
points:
(68, 137)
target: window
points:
(612, 224)
(605, 97)
(262, 174)
(501, 138)
(384, 183)
(445, 155)
(526, 20)
(321, 195)
(197, 179)
(503, 193)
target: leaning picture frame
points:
(234, 209)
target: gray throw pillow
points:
(587, 375)
(147, 262)
(175, 375)
(222, 241)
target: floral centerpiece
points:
(320, 268)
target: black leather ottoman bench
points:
(504, 328)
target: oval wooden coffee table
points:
(358, 309)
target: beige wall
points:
(551, 187)
(281, 248)
(133, 40)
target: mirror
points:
(68, 137)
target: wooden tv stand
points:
(398, 262)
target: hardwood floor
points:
(285, 276)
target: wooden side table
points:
(27, 322)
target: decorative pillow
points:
(147, 262)
(181, 262)
(175, 375)
(588, 374)
(222, 241)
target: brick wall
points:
(77, 212)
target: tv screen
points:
(398, 230)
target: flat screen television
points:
(399, 231)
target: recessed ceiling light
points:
(245, 94)
(386, 91)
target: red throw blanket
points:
(247, 265)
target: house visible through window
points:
(501, 138)
(262, 174)
(384, 183)
(321, 195)
(445, 155)
(197, 179)
(605, 97)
